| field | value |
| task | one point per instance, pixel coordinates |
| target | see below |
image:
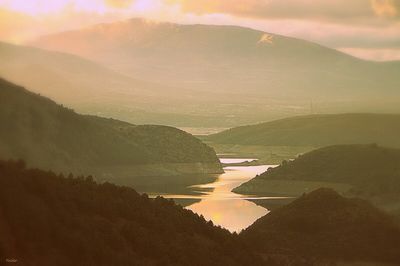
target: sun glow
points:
(44, 7)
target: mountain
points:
(366, 171)
(47, 219)
(65, 78)
(92, 88)
(328, 227)
(317, 131)
(51, 136)
(242, 73)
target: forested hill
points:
(50, 136)
(318, 131)
(327, 226)
(47, 220)
(370, 170)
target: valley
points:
(286, 78)
(216, 202)
(196, 132)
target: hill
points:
(47, 219)
(317, 131)
(267, 76)
(366, 171)
(327, 227)
(51, 136)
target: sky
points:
(369, 29)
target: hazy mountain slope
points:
(324, 225)
(50, 136)
(92, 88)
(65, 78)
(230, 59)
(370, 170)
(46, 219)
(318, 130)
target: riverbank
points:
(264, 154)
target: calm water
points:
(225, 208)
(236, 160)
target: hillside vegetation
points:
(317, 131)
(327, 227)
(47, 219)
(50, 136)
(367, 171)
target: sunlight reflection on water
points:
(225, 208)
(218, 203)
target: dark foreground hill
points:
(327, 227)
(50, 220)
(368, 170)
(317, 131)
(49, 136)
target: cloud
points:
(119, 3)
(12, 22)
(277, 8)
(324, 10)
(386, 8)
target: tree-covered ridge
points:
(318, 131)
(371, 170)
(50, 136)
(326, 226)
(48, 219)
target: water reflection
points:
(225, 208)
(236, 160)
(219, 204)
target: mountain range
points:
(242, 74)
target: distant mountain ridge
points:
(243, 62)
(64, 77)
(318, 131)
(50, 136)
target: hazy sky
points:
(366, 28)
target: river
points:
(217, 202)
